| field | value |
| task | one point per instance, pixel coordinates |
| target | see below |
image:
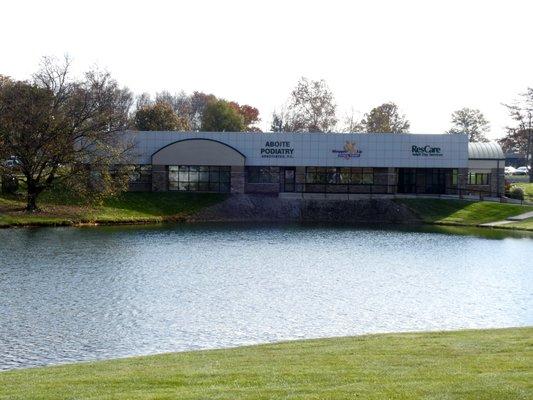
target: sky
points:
(429, 57)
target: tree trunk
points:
(31, 197)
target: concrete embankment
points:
(264, 208)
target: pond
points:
(74, 294)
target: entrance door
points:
(422, 180)
(288, 179)
(407, 180)
(435, 181)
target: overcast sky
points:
(430, 57)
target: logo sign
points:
(277, 149)
(349, 150)
(426, 151)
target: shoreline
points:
(141, 208)
(282, 342)
(467, 363)
(186, 220)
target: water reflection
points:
(69, 294)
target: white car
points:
(522, 170)
(510, 170)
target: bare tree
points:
(352, 124)
(520, 136)
(63, 130)
(311, 108)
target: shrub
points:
(10, 184)
(516, 193)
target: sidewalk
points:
(521, 217)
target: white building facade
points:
(336, 163)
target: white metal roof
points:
(485, 151)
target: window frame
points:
(199, 178)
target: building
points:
(301, 164)
(515, 160)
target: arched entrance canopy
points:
(198, 152)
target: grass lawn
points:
(60, 209)
(459, 212)
(484, 364)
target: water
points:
(72, 294)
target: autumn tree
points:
(519, 137)
(385, 118)
(159, 116)
(471, 122)
(64, 130)
(190, 109)
(311, 108)
(249, 114)
(221, 116)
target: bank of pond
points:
(58, 209)
(473, 364)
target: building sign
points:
(277, 149)
(349, 150)
(426, 151)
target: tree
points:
(144, 99)
(220, 116)
(279, 122)
(519, 137)
(159, 117)
(64, 130)
(352, 124)
(472, 122)
(311, 108)
(249, 114)
(190, 109)
(385, 118)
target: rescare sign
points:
(426, 151)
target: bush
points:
(10, 184)
(516, 193)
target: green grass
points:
(484, 364)
(459, 212)
(130, 207)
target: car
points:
(12, 162)
(522, 171)
(510, 170)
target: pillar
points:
(237, 179)
(159, 178)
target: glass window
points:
(477, 178)
(199, 178)
(139, 173)
(262, 174)
(338, 179)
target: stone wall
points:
(497, 181)
(245, 207)
(267, 188)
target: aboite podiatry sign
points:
(277, 149)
